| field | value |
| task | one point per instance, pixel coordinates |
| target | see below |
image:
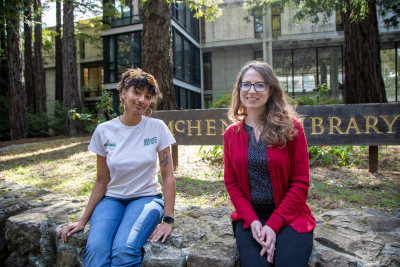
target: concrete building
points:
(207, 56)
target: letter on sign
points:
(319, 124)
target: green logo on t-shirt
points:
(109, 144)
(150, 141)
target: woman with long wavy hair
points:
(267, 172)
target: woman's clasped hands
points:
(266, 237)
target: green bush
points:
(336, 155)
(38, 125)
(57, 120)
(222, 101)
(322, 98)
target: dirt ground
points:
(63, 165)
(35, 140)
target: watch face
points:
(168, 219)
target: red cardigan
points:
(289, 170)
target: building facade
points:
(207, 56)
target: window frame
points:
(194, 73)
(106, 52)
(113, 22)
(276, 33)
(193, 29)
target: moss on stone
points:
(72, 219)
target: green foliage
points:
(322, 98)
(37, 125)
(90, 121)
(314, 11)
(223, 101)
(105, 103)
(338, 155)
(389, 8)
(57, 120)
(215, 153)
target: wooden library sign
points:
(359, 125)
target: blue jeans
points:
(119, 228)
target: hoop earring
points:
(151, 112)
(124, 104)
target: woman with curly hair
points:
(267, 172)
(126, 204)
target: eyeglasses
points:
(259, 87)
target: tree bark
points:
(28, 55)
(70, 74)
(59, 69)
(363, 78)
(39, 77)
(4, 88)
(157, 49)
(18, 115)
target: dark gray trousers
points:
(292, 249)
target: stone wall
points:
(30, 219)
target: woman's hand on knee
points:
(256, 228)
(70, 229)
(269, 236)
(163, 230)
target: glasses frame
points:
(253, 84)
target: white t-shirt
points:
(131, 153)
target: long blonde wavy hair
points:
(276, 122)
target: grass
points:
(65, 166)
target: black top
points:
(261, 191)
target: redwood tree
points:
(156, 49)
(18, 115)
(39, 77)
(363, 81)
(28, 57)
(70, 75)
(58, 45)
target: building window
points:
(390, 58)
(258, 55)
(184, 16)
(276, 21)
(123, 12)
(339, 20)
(300, 71)
(186, 59)
(92, 81)
(207, 71)
(258, 27)
(207, 101)
(122, 52)
(203, 30)
(187, 99)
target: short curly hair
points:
(141, 81)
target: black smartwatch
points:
(168, 219)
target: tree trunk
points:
(70, 74)
(59, 69)
(363, 78)
(18, 115)
(39, 77)
(4, 88)
(28, 55)
(156, 49)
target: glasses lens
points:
(260, 86)
(245, 86)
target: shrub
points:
(222, 101)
